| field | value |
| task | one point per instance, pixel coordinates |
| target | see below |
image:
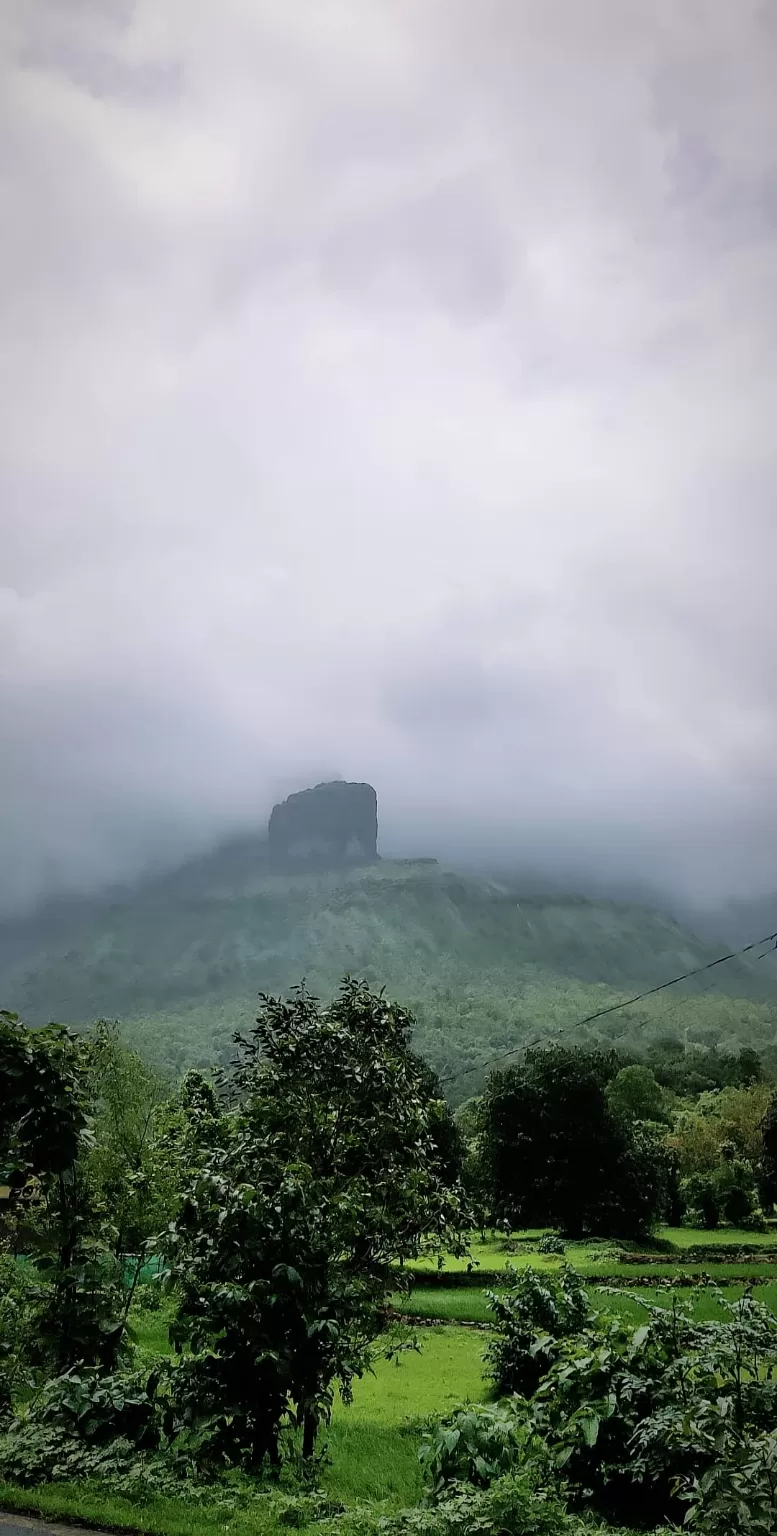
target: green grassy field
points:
(374, 1442)
(601, 1261)
(469, 1305)
(372, 1445)
(697, 1237)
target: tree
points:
(56, 1215)
(748, 1067)
(322, 1174)
(635, 1094)
(42, 1101)
(736, 1182)
(698, 1068)
(768, 1164)
(125, 1166)
(702, 1197)
(473, 1171)
(725, 1193)
(554, 1151)
(443, 1126)
(733, 1115)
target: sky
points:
(387, 391)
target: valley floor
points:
(373, 1443)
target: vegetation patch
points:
(207, 1288)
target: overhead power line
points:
(526, 1045)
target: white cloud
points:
(389, 390)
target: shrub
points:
(531, 1317)
(640, 1419)
(475, 1445)
(15, 1316)
(512, 1506)
(551, 1243)
(736, 1493)
(80, 1423)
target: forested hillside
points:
(180, 960)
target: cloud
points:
(388, 391)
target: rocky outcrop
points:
(332, 824)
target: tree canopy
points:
(326, 1170)
(555, 1152)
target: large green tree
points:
(323, 1173)
(43, 1108)
(635, 1094)
(554, 1152)
(55, 1212)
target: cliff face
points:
(331, 824)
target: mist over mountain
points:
(390, 392)
(488, 962)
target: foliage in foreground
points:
(329, 1156)
(674, 1419)
(517, 1504)
(532, 1316)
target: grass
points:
(374, 1442)
(492, 1256)
(744, 1270)
(464, 1304)
(372, 1445)
(469, 1305)
(150, 1331)
(697, 1237)
(706, 1307)
(159, 1516)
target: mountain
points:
(180, 960)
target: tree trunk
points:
(309, 1432)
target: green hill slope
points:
(180, 960)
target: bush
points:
(736, 1494)
(476, 1445)
(515, 1505)
(15, 1316)
(645, 1420)
(512, 1506)
(531, 1317)
(673, 1420)
(551, 1243)
(80, 1424)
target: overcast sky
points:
(388, 390)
